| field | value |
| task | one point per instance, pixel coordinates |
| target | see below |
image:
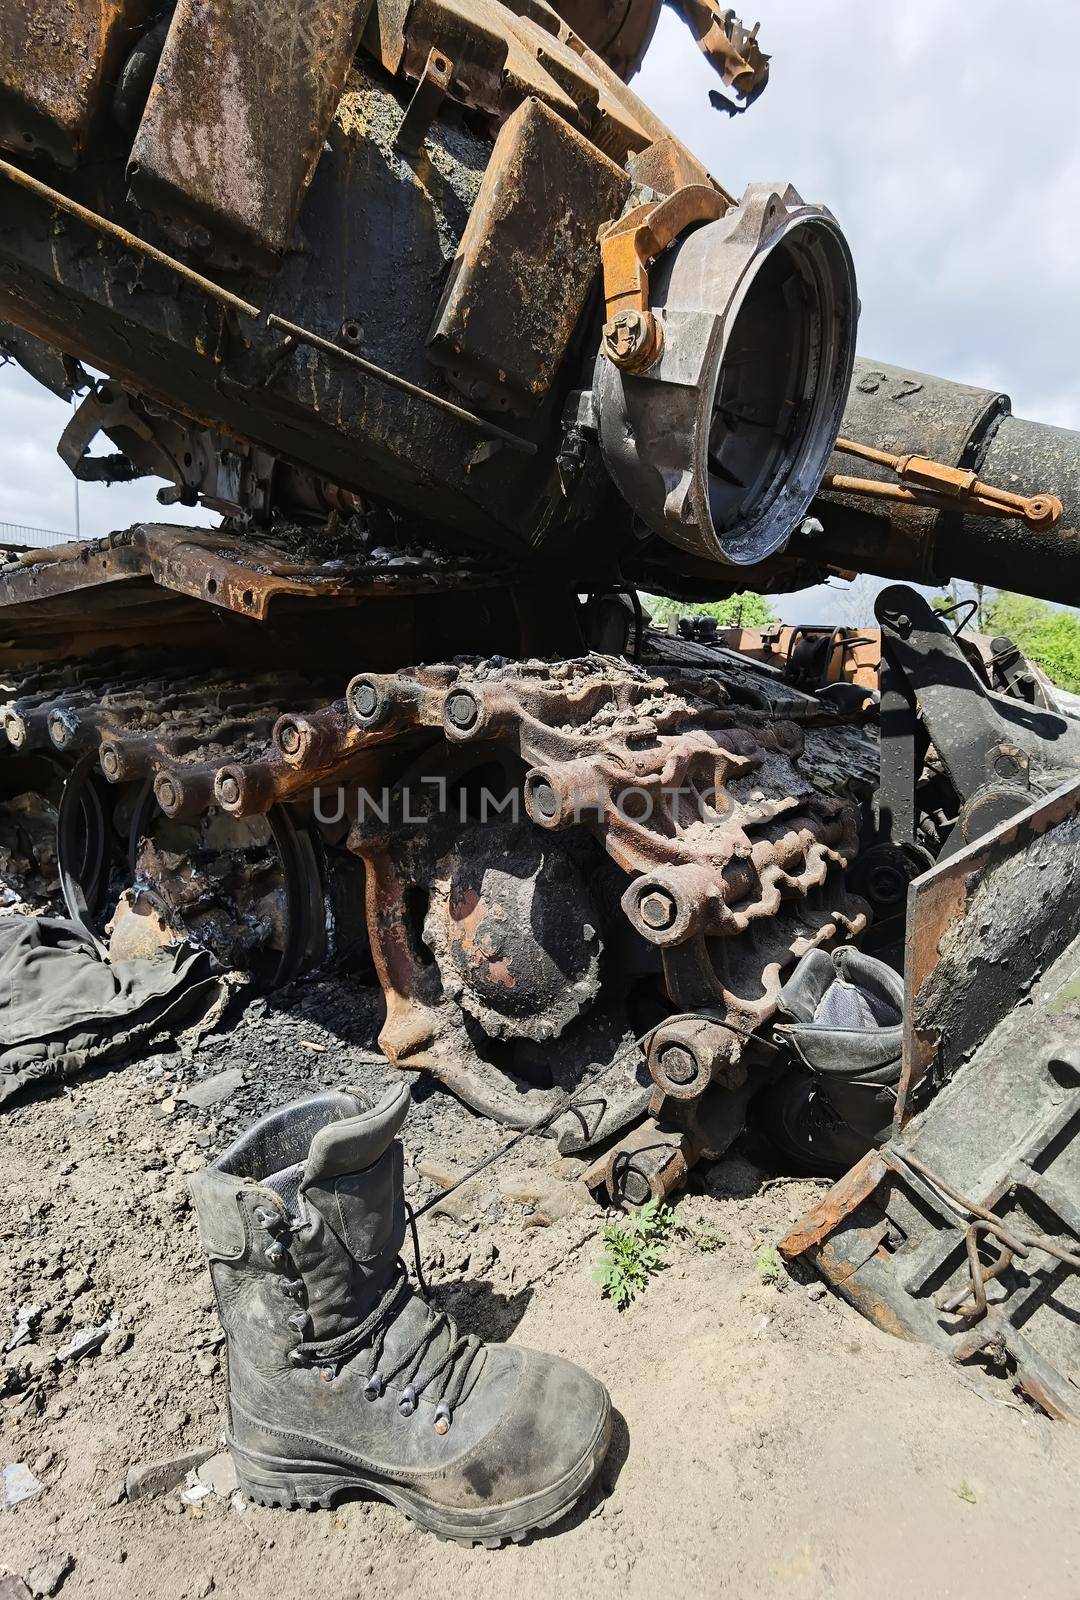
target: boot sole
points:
(316, 1485)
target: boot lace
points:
(450, 1367)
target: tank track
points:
(587, 850)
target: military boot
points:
(847, 1032)
(341, 1376)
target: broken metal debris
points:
(963, 1228)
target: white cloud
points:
(38, 491)
(943, 139)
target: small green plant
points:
(634, 1252)
(707, 1240)
(768, 1264)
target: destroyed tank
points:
(467, 350)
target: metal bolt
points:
(228, 790)
(290, 738)
(110, 763)
(1007, 766)
(634, 1187)
(626, 336)
(165, 790)
(462, 710)
(365, 700)
(657, 910)
(678, 1065)
(543, 798)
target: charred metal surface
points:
(621, 34)
(254, 413)
(718, 474)
(577, 872)
(994, 750)
(527, 260)
(173, 345)
(213, 568)
(729, 47)
(648, 1164)
(145, 856)
(983, 927)
(502, 58)
(237, 118)
(911, 412)
(423, 108)
(57, 62)
(45, 363)
(142, 714)
(964, 1229)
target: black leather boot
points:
(846, 1028)
(341, 1376)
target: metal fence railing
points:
(16, 533)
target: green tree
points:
(1046, 636)
(747, 610)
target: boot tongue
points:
(355, 1143)
(353, 1203)
(286, 1183)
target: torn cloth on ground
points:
(64, 1007)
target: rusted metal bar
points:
(1012, 1238)
(648, 1164)
(958, 1304)
(932, 483)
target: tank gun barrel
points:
(902, 413)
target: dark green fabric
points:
(63, 1006)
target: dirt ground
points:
(769, 1442)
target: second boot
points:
(341, 1376)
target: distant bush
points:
(1048, 637)
(748, 610)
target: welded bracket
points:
(108, 409)
(632, 336)
(423, 108)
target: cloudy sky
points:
(943, 137)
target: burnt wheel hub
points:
(513, 929)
